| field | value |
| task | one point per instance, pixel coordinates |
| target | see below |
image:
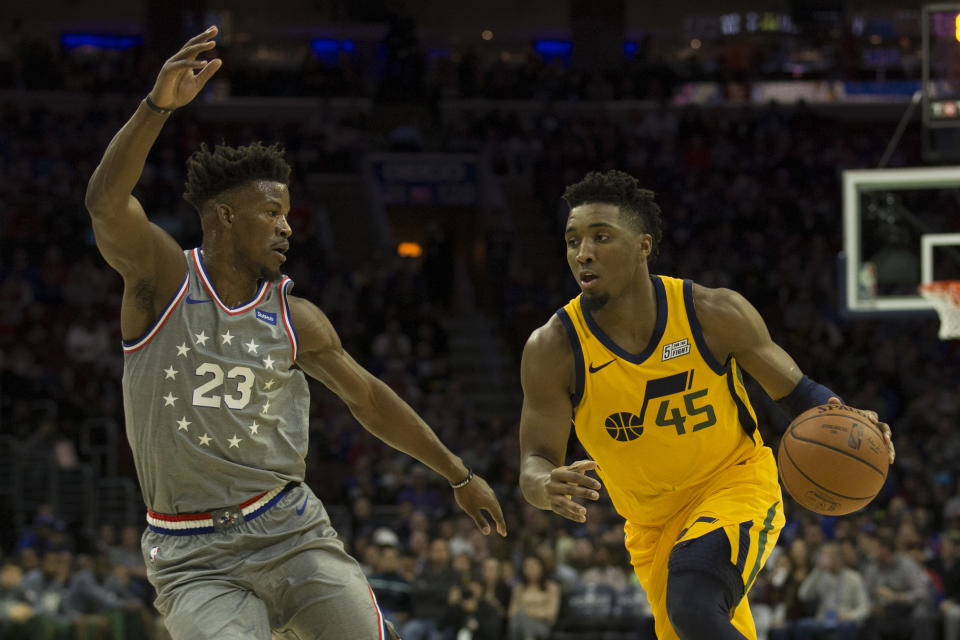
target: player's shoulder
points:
(548, 345)
(547, 362)
(313, 328)
(717, 303)
(551, 338)
(729, 322)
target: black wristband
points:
(155, 107)
(806, 395)
(465, 481)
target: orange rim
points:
(942, 288)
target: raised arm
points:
(733, 326)
(383, 413)
(547, 373)
(150, 261)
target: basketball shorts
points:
(744, 501)
(284, 571)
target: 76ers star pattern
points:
(212, 387)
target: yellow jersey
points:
(662, 422)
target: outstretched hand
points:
(477, 497)
(183, 76)
(875, 419)
(569, 482)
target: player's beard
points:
(594, 302)
(268, 274)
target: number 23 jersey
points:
(662, 421)
(215, 411)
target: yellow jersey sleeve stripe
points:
(743, 545)
(697, 330)
(762, 544)
(746, 418)
(577, 356)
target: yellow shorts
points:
(745, 501)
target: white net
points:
(945, 297)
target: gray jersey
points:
(215, 414)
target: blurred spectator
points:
(392, 344)
(948, 566)
(562, 574)
(419, 493)
(839, 595)
(604, 570)
(47, 534)
(45, 589)
(534, 604)
(15, 611)
(784, 600)
(391, 588)
(87, 340)
(951, 508)
(429, 593)
(462, 612)
(901, 595)
(98, 598)
(460, 542)
(494, 600)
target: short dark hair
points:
(210, 173)
(624, 191)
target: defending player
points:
(216, 413)
(649, 367)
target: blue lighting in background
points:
(324, 46)
(100, 41)
(326, 49)
(553, 48)
(630, 48)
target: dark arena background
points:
(802, 154)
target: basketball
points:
(833, 460)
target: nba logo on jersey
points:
(676, 349)
(154, 552)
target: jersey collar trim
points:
(139, 343)
(655, 338)
(285, 286)
(208, 284)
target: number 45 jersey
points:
(214, 411)
(662, 421)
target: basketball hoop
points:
(945, 297)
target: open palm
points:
(179, 81)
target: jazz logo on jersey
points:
(672, 411)
(676, 349)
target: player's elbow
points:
(95, 200)
(99, 201)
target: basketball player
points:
(649, 367)
(217, 412)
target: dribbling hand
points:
(475, 498)
(875, 419)
(569, 482)
(183, 76)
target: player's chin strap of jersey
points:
(807, 394)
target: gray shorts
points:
(284, 571)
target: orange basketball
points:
(833, 460)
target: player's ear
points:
(224, 213)
(645, 244)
